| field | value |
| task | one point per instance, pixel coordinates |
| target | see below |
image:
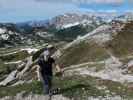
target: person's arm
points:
(58, 68)
(59, 71)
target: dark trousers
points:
(47, 83)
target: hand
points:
(59, 73)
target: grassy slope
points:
(71, 33)
(5, 69)
(76, 87)
(82, 52)
(15, 56)
(122, 44)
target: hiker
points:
(46, 63)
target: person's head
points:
(51, 48)
(46, 55)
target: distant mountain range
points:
(61, 21)
(63, 27)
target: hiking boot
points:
(56, 91)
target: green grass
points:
(5, 69)
(122, 44)
(71, 33)
(15, 56)
(70, 87)
(8, 50)
(117, 88)
(76, 87)
(126, 60)
(81, 53)
(34, 87)
(99, 67)
(79, 87)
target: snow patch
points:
(70, 25)
(11, 33)
(2, 30)
(4, 36)
(29, 50)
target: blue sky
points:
(25, 10)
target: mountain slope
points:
(81, 53)
(97, 65)
(122, 43)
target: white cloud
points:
(130, 1)
(129, 11)
(108, 11)
(115, 2)
(109, 1)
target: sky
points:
(27, 10)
